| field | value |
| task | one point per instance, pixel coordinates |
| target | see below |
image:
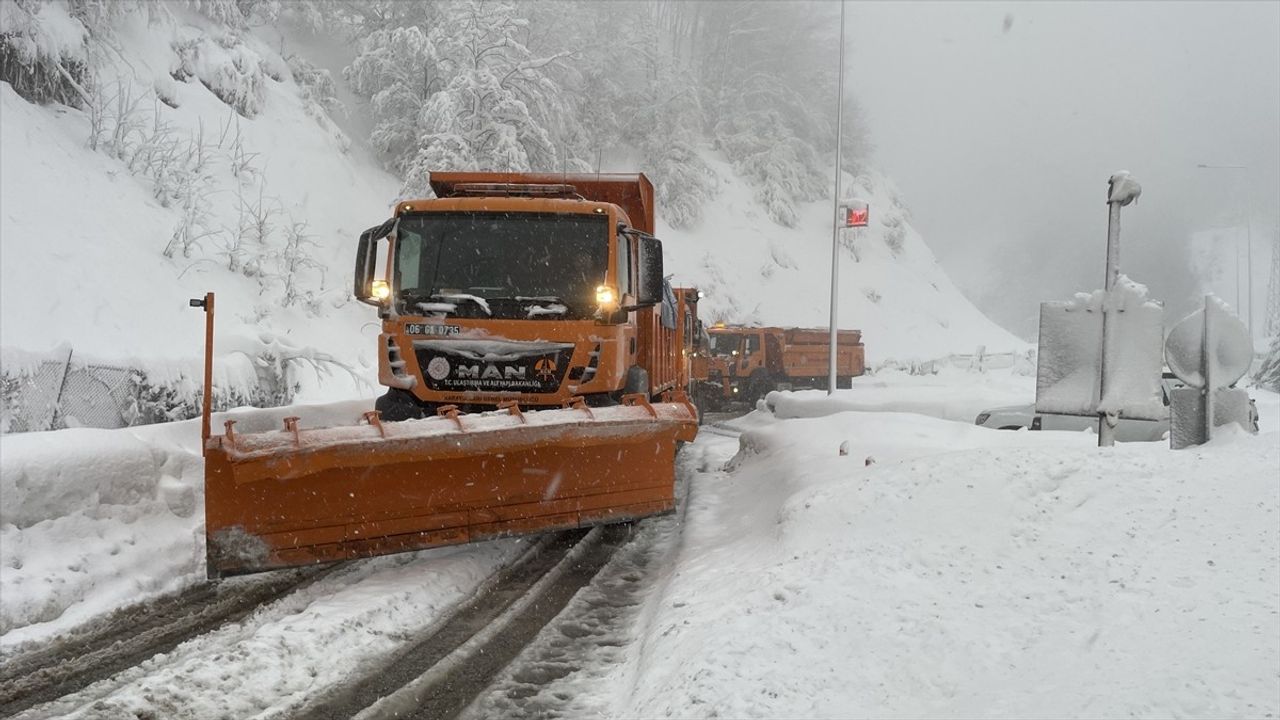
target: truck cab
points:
(522, 288)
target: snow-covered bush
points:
(43, 52)
(895, 235)
(227, 67)
(683, 183)
(294, 262)
(317, 89)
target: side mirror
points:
(367, 264)
(650, 272)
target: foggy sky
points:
(1001, 123)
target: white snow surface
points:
(964, 571)
(968, 572)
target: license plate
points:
(428, 329)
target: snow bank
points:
(42, 474)
(91, 520)
(970, 572)
(949, 395)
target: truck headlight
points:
(380, 289)
(606, 297)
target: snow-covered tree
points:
(43, 52)
(494, 110)
(461, 90)
(397, 70)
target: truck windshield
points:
(723, 344)
(494, 264)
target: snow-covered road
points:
(963, 571)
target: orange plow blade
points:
(302, 496)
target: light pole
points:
(835, 219)
(1248, 242)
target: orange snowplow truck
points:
(537, 366)
(746, 363)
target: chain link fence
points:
(62, 393)
(980, 360)
(57, 391)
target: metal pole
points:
(1206, 363)
(206, 409)
(835, 219)
(1248, 264)
(1106, 433)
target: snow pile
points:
(755, 271)
(91, 520)
(970, 572)
(949, 395)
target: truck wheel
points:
(637, 381)
(757, 386)
(396, 405)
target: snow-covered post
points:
(1206, 368)
(835, 221)
(1121, 190)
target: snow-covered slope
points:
(228, 140)
(891, 286)
(85, 231)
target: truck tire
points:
(714, 392)
(758, 385)
(637, 381)
(396, 405)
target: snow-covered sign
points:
(1231, 352)
(856, 213)
(1069, 371)
(1188, 414)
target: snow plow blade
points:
(302, 496)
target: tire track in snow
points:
(458, 660)
(134, 634)
(458, 657)
(572, 668)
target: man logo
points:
(438, 368)
(545, 368)
(490, 372)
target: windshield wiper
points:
(454, 297)
(536, 305)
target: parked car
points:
(1016, 417)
